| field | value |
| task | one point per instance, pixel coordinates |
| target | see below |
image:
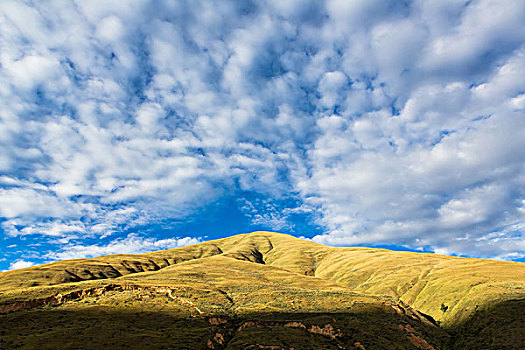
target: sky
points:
(133, 126)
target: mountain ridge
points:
(263, 272)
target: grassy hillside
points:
(217, 302)
(377, 298)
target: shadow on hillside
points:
(501, 327)
(99, 328)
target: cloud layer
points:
(399, 123)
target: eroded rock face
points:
(75, 295)
(12, 307)
(216, 342)
(216, 321)
(328, 330)
(415, 338)
(295, 324)
(358, 345)
(56, 299)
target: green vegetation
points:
(265, 291)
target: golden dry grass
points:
(271, 273)
(428, 282)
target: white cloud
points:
(475, 206)
(484, 26)
(20, 264)
(330, 86)
(110, 28)
(54, 229)
(15, 202)
(32, 70)
(132, 244)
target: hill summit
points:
(265, 290)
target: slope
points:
(447, 288)
(453, 291)
(217, 303)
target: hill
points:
(266, 290)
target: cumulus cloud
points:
(20, 264)
(131, 244)
(397, 123)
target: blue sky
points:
(132, 126)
